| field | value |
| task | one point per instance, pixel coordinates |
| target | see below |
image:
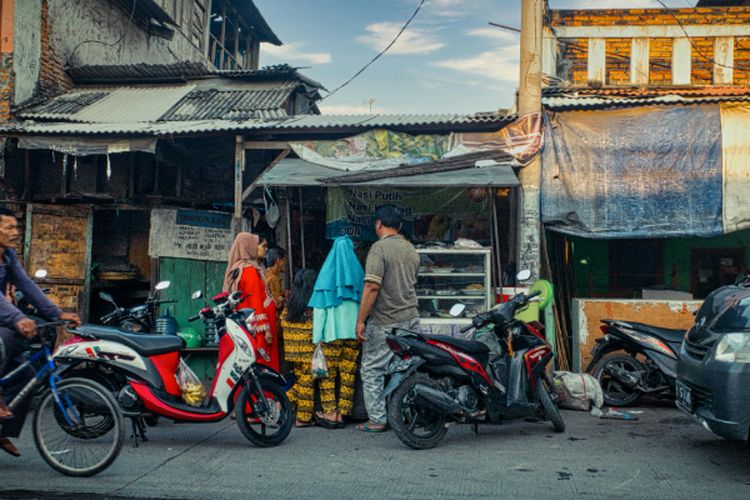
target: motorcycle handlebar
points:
(194, 317)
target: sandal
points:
(324, 422)
(9, 447)
(370, 427)
(301, 423)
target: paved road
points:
(662, 455)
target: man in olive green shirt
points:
(389, 300)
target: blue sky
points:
(448, 61)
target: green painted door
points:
(187, 276)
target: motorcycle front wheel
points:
(551, 411)
(416, 426)
(264, 428)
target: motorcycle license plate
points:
(684, 395)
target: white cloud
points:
(498, 34)
(500, 64)
(452, 8)
(351, 109)
(294, 52)
(412, 41)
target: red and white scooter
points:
(147, 364)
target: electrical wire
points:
(106, 44)
(698, 51)
(378, 56)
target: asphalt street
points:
(663, 454)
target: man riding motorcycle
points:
(16, 328)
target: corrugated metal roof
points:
(588, 98)
(477, 121)
(181, 72)
(215, 104)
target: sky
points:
(449, 60)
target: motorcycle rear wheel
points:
(616, 393)
(551, 411)
(264, 430)
(407, 418)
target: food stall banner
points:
(374, 150)
(432, 214)
(649, 172)
(190, 234)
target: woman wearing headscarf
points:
(335, 302)
(245, 273)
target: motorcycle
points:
(635, 359)
(436, 379)
(148, 363)
(136, 319)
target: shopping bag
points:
(192, 389)
(319, 365)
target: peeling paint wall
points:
(28, 48)
(587, 316)
(110, 37)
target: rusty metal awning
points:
(294, 172)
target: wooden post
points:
(239, 168)
(301, 227)
(26, 173)
(289, 255)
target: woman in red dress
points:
(244, 273)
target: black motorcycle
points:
(635, 359)
(435, 379)
(136, 319)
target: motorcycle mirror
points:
(107, 297)
(162, 285)
(197, 294)
(40, 274)
(523, 275)
(457, 310)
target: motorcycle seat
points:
(144, 344)
(666, 334)
(468, 346)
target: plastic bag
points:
(192, 389)
(272, 209)
(319, 365)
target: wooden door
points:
(58, 239)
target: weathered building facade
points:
(646, 119)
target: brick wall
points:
(572, 61)
(53, 79)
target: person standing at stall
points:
(335, 302)
(275, 263)
(296, 320)
(245, 274)
(389, 300)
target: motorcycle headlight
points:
(733, 348)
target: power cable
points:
(698, 51)
(378, 56)
(106, 44)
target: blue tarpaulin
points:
(634, 173)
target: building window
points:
(635, 264)
(230, 43)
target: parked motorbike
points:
(148, 363)
(436, 379)
(136, 319)
(634, 359)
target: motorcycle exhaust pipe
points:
(631, 381)
(437, 400)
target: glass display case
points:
(447, 276)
